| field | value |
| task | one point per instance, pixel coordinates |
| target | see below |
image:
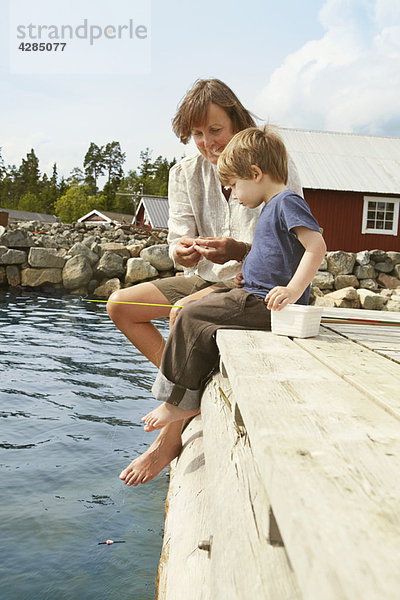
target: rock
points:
(45, 258)
(371, 301)
(13, 257)
(396, 271)
(324, 265)
(3, 276)
(17, 239)
(369, 284)
(343, 281)
(2, 230)
(107, 288)
(36, 277)
(111, 265)
(365, 272)
(158, 257)
(388, 281)
(378, 255)
(77, 272)
(323, 280)
(363, 258)
(115, 247)
(79, 248)
(345, 298)
(394, 257)
(324, 301)
(13, 275)
(340, 263)
(138, 269)
(393, 304)
(384, 267)
(135, 250)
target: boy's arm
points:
(315, 249)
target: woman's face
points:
(212, 136)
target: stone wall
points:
(98, 260)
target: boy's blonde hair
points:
(253, 146)
(194, 106)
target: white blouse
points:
(197, 207)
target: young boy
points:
(286, 252)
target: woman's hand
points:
(220, 250)
(185, 253)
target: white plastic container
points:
(296, 320)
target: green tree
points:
(30, 202)
(29, 175)
(94, 166)
(70, 206)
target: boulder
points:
(158, 257)
(345, 298)
(378, 255)
(393, 304)
(323, 280)
(371, 301)
(365, 272)
(115, 247)
(13, 275)
(138, 269)
(388, 281)
(79, 248)
(13, 257)
(396, 271)
(36, 277)
(324, 265)
(3, 276)
(77, 272)
(107, 288)
(17, 239)
(363, 258)
(324, 301)
(384, 267)
(111, 265)
(340, 263)
(369, 284)
(135, 250)
(45, 258)
(394, 257)
(343, 281)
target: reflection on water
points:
(72, 393)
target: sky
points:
(320, 64)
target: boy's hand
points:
(239, 280)
(280, 296)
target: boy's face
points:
(248, 192)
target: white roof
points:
(345, 161)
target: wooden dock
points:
(288, 484)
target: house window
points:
(380, 215)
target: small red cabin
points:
(352, 185)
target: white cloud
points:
(349, 80)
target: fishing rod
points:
(136, 303)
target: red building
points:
(352, 185)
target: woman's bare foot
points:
(149, 464)
(164, 414)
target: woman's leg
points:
(135, 321)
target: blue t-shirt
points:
(276, 251)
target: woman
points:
(209, 233)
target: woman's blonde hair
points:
(193, 108)
(253, 146)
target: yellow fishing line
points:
(137, 303)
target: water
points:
(72, 392)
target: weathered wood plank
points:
(184, 570)
(370, 373)
(244, 564)
(329, 459)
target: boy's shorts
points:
(176, 288)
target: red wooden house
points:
(352, 185)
